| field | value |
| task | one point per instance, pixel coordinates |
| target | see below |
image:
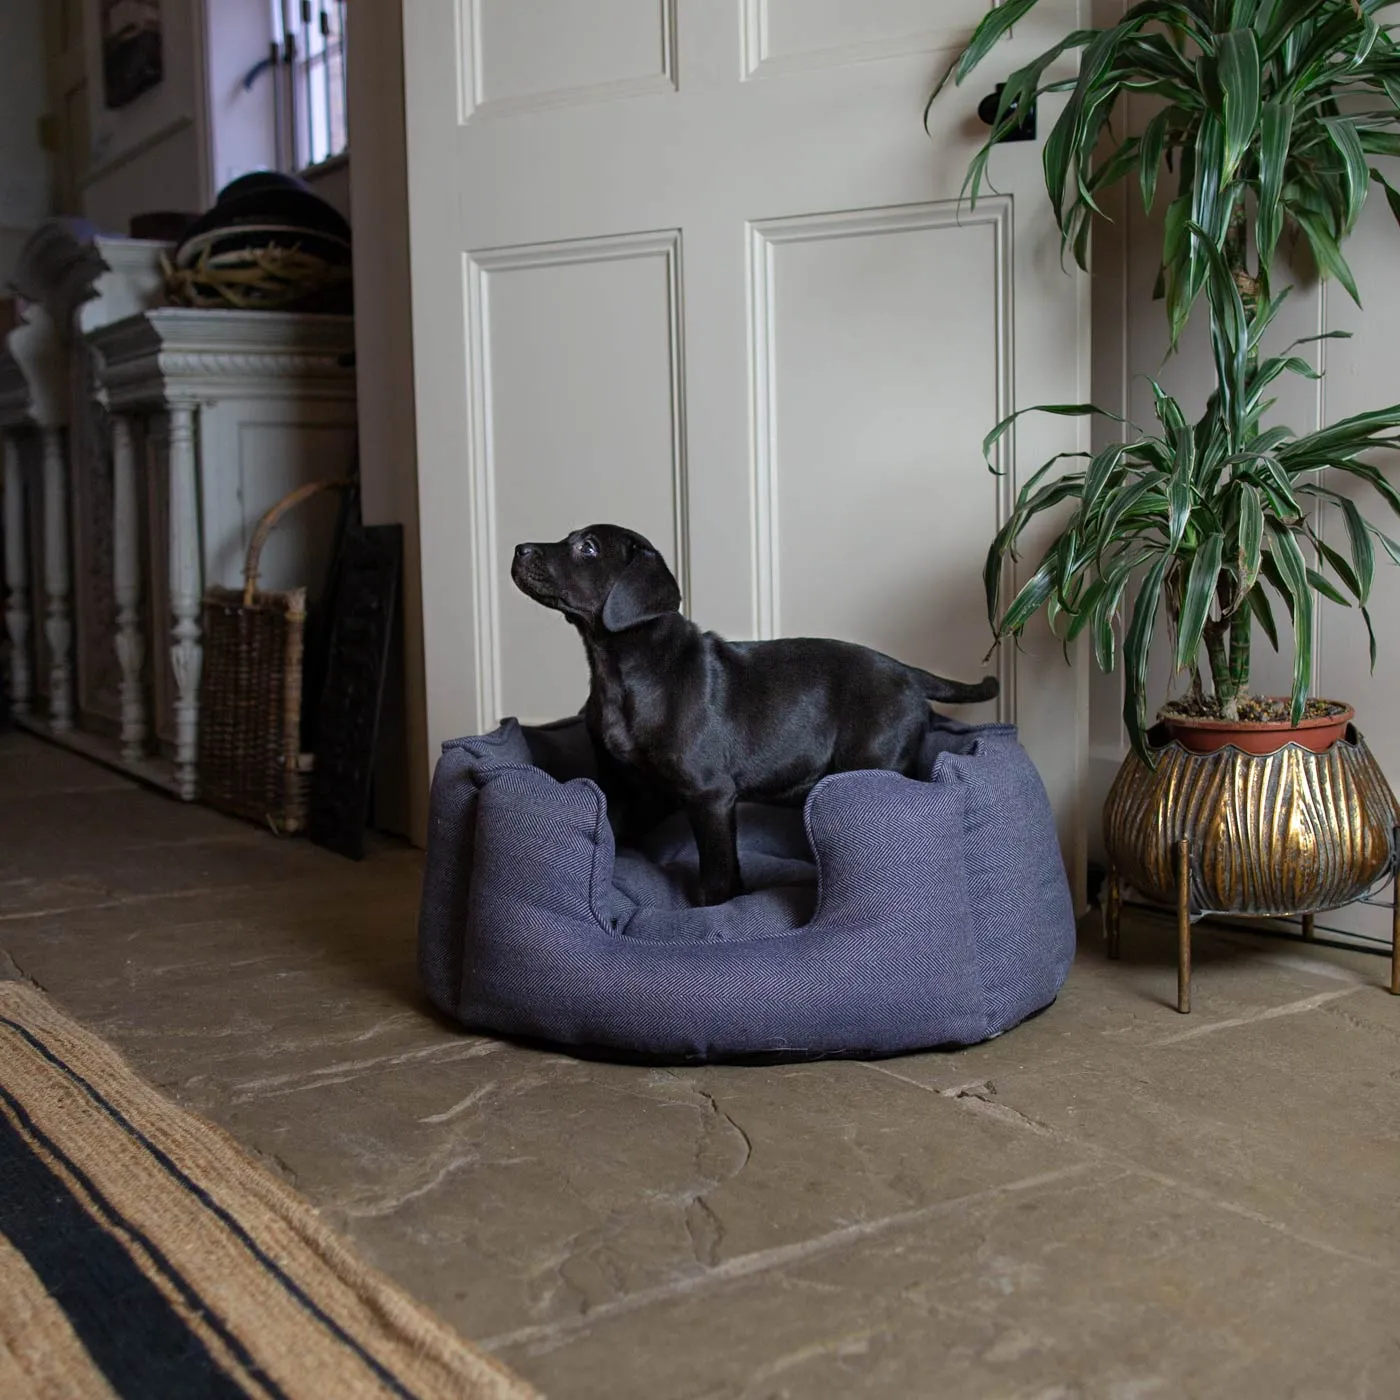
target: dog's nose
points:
(526, 551)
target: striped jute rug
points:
(143, 1254)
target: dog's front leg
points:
(714, 820)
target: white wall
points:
(242, 133)
(24, 168)
(152, 154)
(332, 182)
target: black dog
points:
(712, 722)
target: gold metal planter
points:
(1258, 836)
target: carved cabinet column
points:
(186, 654)
(126, 587)
(69, 279)
(16, 577)
(58, 583)
(37, 578)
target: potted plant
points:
(1269, 115)
(1210, 520)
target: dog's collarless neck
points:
(622, 665)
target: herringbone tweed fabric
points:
(898, 913)
(143, 1254)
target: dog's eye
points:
(587, 546)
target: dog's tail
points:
(956, 692)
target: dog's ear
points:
(645, 589)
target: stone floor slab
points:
(1109, 1201)
(1098, 1283)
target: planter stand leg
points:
(1395, 926)
(1309, 926)
(1183, 927)
(1113, 914)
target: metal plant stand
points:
(1230, 834)
(1113, 917)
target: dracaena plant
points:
(1210, 519)
(1267, 114)
(1270, 106)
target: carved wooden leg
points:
(58, 624)
(126, 586)
(186, 653)
(16, 578)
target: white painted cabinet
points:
(141, 447)
(216, 416)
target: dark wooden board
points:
(363, 614)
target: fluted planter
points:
(1292, 832)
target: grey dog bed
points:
(890, 914)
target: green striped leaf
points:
(1102, 470)
(1264, 614)
(1321, 584)
(1108, 605)
(1060, 410)
(1356, 173)
(1137, 648)
(1363, 554)
(1237, 70)
(1028, 601)
(1196, 601)
(1326, 251)
(1340, 567)
(1293, 571)
(1210, 206)
(1251, 537)
(1276, 131)
(1392, 195)
(1179, 499)
(1371, 635)
(1154, 142)
(984, 38)
(1389, 545)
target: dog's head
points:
(603, 578)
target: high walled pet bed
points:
(935, 913)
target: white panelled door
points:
(694, 266)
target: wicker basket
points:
(250, 759)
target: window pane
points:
(312, 36)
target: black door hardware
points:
(987, 110)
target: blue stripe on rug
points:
(131, 1331)
(388, 1378)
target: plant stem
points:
(1241, 636)
(1219, 660)
(1235, 608)
(1196, 693)
(1237, 260)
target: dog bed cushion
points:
(890, 914)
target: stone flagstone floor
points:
(1111, 1201)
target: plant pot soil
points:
(1263, 727)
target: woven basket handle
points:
(269, 520)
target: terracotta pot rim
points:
(1263, 726)
(1343, 740)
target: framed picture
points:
(131, 49)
